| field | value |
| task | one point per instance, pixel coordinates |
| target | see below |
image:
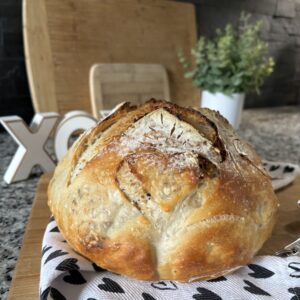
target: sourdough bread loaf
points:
(163, 192)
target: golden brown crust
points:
(163, 192)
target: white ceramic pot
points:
(229, 106)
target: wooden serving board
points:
(25, 283)
(26, 276)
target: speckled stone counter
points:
(15, 205)
(275, 133)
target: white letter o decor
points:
(72, 121)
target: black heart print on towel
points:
(55, 254)
(296, 292)
(74, 277)
(68, 265)
(110, 285)
(221, 278)
(259, 271)
(274, 168)
(54, 229)
(147, 296)
(296, 267)
(45, 293)
(97, 268)
(288, 169)
(205, 294)
(45, 249)
(54, 293)
(253, 289)
(164, 285)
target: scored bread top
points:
(163, 192)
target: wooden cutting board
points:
(25, 283)
(63, 39)
(26, 276)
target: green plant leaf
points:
(235, 60)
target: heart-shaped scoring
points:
(145, 177)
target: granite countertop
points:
(273, 132)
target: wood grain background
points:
(63, 39)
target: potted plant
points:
(226, 67)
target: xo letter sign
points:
(32, 140)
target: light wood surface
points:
(63, 39)
(25, 283)
(111, 84)
(26, 276)
(287, 228)
(38, 56)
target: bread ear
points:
(91, 136)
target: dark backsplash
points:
(14, 90)
(281, 20)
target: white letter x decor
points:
(31, 142)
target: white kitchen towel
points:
(67, 275)
(282, 173)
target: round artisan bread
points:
(163, 192)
